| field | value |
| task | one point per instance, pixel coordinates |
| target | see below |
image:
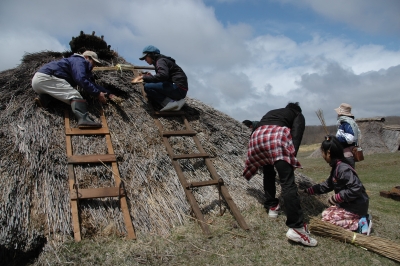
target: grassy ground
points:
(264, 244)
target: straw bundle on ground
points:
(34, 193)
(378, 245)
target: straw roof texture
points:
(376, 137)
(34, 198)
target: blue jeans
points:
(158, 92)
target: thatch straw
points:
(321, 118)
(34, 193)
(376, 244)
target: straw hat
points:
(344, 109)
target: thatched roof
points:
(34, 178)
(379, 119)
(376, 137)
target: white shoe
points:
(301, 235)
(171, 106)
(181, 103)
(369, 218)
(274, 211)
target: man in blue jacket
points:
(168, 87)
(57, 79)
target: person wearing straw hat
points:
(169, 86)
(349, 203)
(274, 145)
(57, 79)
(348, 132)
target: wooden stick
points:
(320, 115)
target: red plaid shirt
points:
(267, 145)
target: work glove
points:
(308, 191)
(332, 200)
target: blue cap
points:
(149, 49)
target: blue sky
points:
(243, 57)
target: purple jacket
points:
(76, 71)
(349, 191)
(167, 71)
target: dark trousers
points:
(289, 193)
(158, 92)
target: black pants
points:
(289, 193)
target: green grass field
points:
(264, 244)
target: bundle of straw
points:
(320, 115)
(378, 245)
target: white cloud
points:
(16, 43)
(367, 15)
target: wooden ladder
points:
(187, 187)
(76, 193)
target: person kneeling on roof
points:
(169, 86)
(57, 79)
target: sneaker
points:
(301, 235)
(171, 106)
(181, 103)
(274, 211)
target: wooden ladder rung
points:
(93, 158)
(91, 193)
(190, 156)
(179, 133)
(169, 113)
(204, 183)
(202, 154)
(78, 131)
(76, 193)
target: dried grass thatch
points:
(376, 137)
(376, 244)
(34, 180)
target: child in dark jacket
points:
(350, 202)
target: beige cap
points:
(344, 109)
(93, 55)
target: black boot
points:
(80, 109)
(43, 100)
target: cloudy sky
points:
(243, 57)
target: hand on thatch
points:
(138, 79)
(102, 97)
(116, 99)
(332, 200)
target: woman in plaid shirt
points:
(274, 145)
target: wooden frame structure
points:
(76, 193)
(187, 187)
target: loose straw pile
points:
(378, 245)
(320, 115)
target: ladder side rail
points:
(224, 191)
(115, 172)
(189, 195)
(71, 182)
